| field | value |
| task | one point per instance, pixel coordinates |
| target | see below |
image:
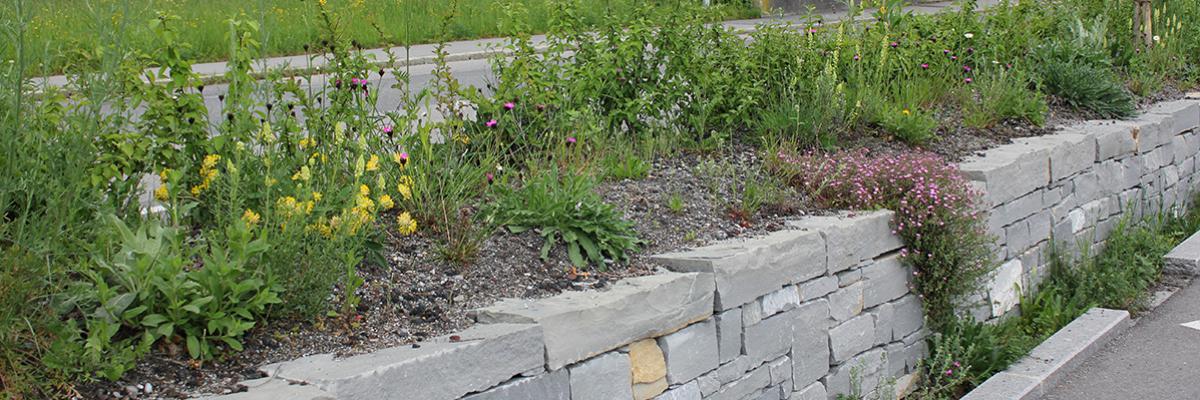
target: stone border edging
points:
(1184, 259)
(1047, 363)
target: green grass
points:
(62, 30)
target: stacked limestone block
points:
(1073, 187)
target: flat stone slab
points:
(581, 325)
(746, 269)
(851, 238)
(481, 357)
(1041, 370)
(1184, 259)
(273, 389)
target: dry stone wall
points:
(790, 315)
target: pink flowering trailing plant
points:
(945, 237)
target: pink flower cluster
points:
(925, 191)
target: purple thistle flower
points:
(492, 123)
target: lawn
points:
(62, 29)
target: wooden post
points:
(1143, 19)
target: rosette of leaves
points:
(564, 207)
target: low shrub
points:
(564, 207)
(1004, 94)
(1078, 71)
(945, 238)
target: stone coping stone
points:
(1185, 115)
(273, 389)
(852, 237)
(746, 269)
(476, 359)
(1184, 259)
(1009, 171)
(581, 325)
(1049, 362)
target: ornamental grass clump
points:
(944, 234)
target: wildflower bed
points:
(306, 219)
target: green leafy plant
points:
(157, 286)
(564, 207)
(1079, 72)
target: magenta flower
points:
(492, 123)
(953, 58)
(946, 51)
(856, 57)
(812, 30)
(570, 140)
(924, 65)
(895, 45)
(403, 158)
(509, 106)
(490, 178)
(387, 129)
(966, 68)
(949, 372)
(541, 107)
(968, 80)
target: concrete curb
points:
(1184, 259)
(1050, 361)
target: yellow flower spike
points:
(161, 193)
(406, 225)
(210, 161)
(906, 112)
(316, 196)
(251, 217)
(373, 163)
(165, 174)
(364, 190)
(386, 202)
(406, 180)
(304, 174)
(405, 191)
(265, 134)
(359, 166)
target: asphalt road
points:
(1156, 359)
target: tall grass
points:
(61, 27)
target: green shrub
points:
(160, 286)
(564, 207)
(1078, 71)
(910, 125)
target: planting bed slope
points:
(787, 315)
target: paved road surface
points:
(1157, 359)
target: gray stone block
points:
(729, 334)
(688, 391)
(579, 325)
(847, 302)
(815, 391)
(914, 353)
(1019, 208)
(746, 269)
(818, 288)
(1152, 130)
(909, 316)
(780, 300)
(810, 343)
(484, 356)
(1185, 115)
(1113, 139)
(1071, 152)
(752, 313)
(555, 385)
(781, 371)
(747, 385)
(708, 384)
(849, 277)
(272, 389)
(1009, 171)
(606, 377)
(896, 365)
(852, 337)
(886, 280)
(885, 317)
(770, 338)
(868, 367)
(853, 237)
(690, 352)
(1184, 259)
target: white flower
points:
(1156, 38)
(969, 35)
